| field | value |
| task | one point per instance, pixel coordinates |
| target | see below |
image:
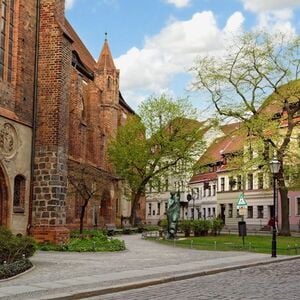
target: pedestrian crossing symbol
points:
(241, 201)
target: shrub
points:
(141, 228)
(148, 228)
(216, 226)
(186, 227)
(164, 224)
(130, 230)
(94, 244)
(126, 231)
(14, 268)
(201, 227)
(87, 244)
(14, 247)
(100, 234)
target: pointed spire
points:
(105, 60)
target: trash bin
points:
(242, 228)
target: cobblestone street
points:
(274, 281)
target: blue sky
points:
(155, 42)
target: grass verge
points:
(253, 243)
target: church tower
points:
(107, 79)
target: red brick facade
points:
(74, 107)
(51, 146)
(16, 96)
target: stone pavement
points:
(275, 281)
(61, 275)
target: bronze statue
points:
(173, 212)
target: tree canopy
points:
(164, 133)
(238, 83)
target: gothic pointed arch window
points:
(6, 39)
(19, 194)
(82, 99)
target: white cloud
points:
(234, 23)
(276, 21)
(179, 3)
(269, 5)
(171, 52)
(69, 4)
(273, 15)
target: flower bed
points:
(89, 241)
(14, 253)
(14, 268)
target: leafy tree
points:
(164, 133)
(238, 82)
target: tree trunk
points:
(134, 202)
(283, 191)
(82, 213)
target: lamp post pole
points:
(193, 196)
(274, 244)
(274, 168)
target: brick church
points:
(58, 110)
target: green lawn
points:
(253, 243)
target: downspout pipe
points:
(34, 114)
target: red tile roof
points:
(232, 142)
(203, 177)
(274, 103)
(230, 128)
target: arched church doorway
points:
(106, 210)
(3, 199)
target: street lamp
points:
(274, 168)
(190, 197)
(193, 197)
